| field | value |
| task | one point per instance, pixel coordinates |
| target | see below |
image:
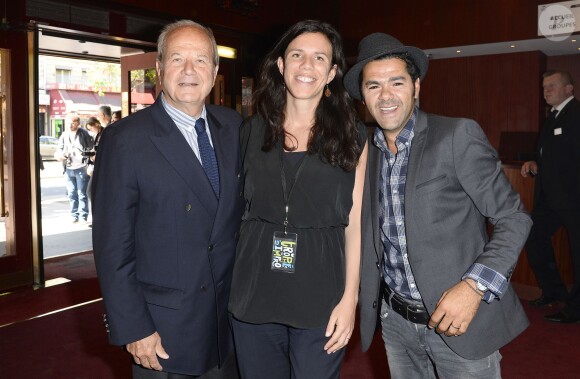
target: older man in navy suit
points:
(167, 208)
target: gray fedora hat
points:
(373, 46)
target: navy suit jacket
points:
(164, 245)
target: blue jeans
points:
(76, 186)
(415, 351)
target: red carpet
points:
(23, 305)
(73, 344)
(66, 345)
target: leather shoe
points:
(542, 301)
(562, 317)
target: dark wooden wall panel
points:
(570, 63)
(423, 23)
(523, 273)
(432, 24)
(501, 92)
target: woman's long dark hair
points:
(334, 134)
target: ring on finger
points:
(455, 327)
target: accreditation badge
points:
(284, 252)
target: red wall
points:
(501, 92)
(432, 24)
(424, 23)
(570, 63)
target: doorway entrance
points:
(77, 75)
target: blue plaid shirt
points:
(397, 272)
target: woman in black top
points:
(296, 276)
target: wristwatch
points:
(481, 287)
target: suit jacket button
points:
(203, 288)
(210, 248)
(374, 304)
(188, 207)
(378, 265)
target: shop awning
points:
(83, 102)
(145, 98)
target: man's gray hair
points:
(183, 24)
(105, 110)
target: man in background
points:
(167, 209)
(73, 146)
(104, 115)
(117, 115)
(557, 196)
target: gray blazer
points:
(454, 184)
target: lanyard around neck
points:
(294, 180)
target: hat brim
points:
(352, 77)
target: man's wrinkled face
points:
(187, 72)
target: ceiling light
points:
(458, 51)
(573, 40)
(227, 52)
(512, 46)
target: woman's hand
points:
(341, 324)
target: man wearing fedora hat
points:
(438, 282)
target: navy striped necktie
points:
(207, 154)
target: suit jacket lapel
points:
(225, 148)
(221, 136)
(414, 164)
(374, 172)
(562, 115)
(173, 146)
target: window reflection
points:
(143, 89)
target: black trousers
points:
(229, 370)
(276, 351)
(540, 252)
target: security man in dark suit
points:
(557, 196)
(167, 209)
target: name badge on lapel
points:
(557, 131)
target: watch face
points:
(481, 287)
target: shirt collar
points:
(403, 139)
(180, 117)
(562, 104)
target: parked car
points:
(48, 146)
